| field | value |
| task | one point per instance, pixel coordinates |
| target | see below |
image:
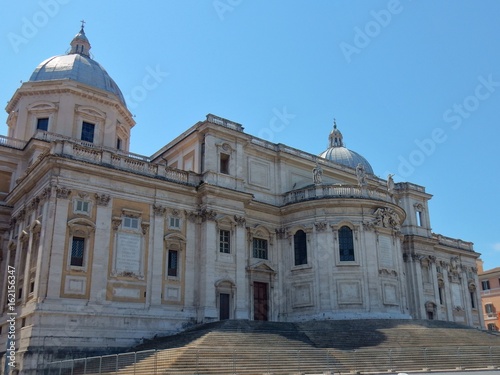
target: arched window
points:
(346, 244)
(300, 247)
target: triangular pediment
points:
(262, 266)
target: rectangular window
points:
(77, 251)
(346, 244)
(88, 132)
(173, 264)
(175, 223)
(489, 308)
(485, 284)
(260, 248)
(42, 123)
(441, 295)
(300, 247)
(224, 238)
(130, 223)
(419, 218)
(81, 206)
(473, 300)
(224, 163)
(118, 143)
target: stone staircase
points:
(317, 347)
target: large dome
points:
(342, 155)
(78, 66)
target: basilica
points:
(101, 247)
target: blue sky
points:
(414, 85)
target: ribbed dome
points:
(77, 66)
(342, 155)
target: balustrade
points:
(12, 142)
(336, 191)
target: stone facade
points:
(111, 247)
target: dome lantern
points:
(335, 136)
(80, 44)
(339, 154)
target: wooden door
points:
(260, 301)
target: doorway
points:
(224, 306)
(260, 301)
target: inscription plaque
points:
(128, 254)
(385, 254)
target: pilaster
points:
(58, 242)
(99, 270)
(192, 266)
(156, 256)
(242, 308)
(208, 241)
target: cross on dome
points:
(80, 44)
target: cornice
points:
(68, 86)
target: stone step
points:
(248, 347)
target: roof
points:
(342, 155)
(78, 66)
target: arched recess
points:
(346, 243)
(299, 242)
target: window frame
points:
(177, 222)
(489, 308)
(260, 252)
(83, 250)
(472, 294)
(83, 228)
(419, 218)
(84, 131)
(224, 241)
(131, 219)
(81, 210)
(302, 253)
(351, 251)
(224, 160)
(169, 261)
(37, 125)
(485, 285)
